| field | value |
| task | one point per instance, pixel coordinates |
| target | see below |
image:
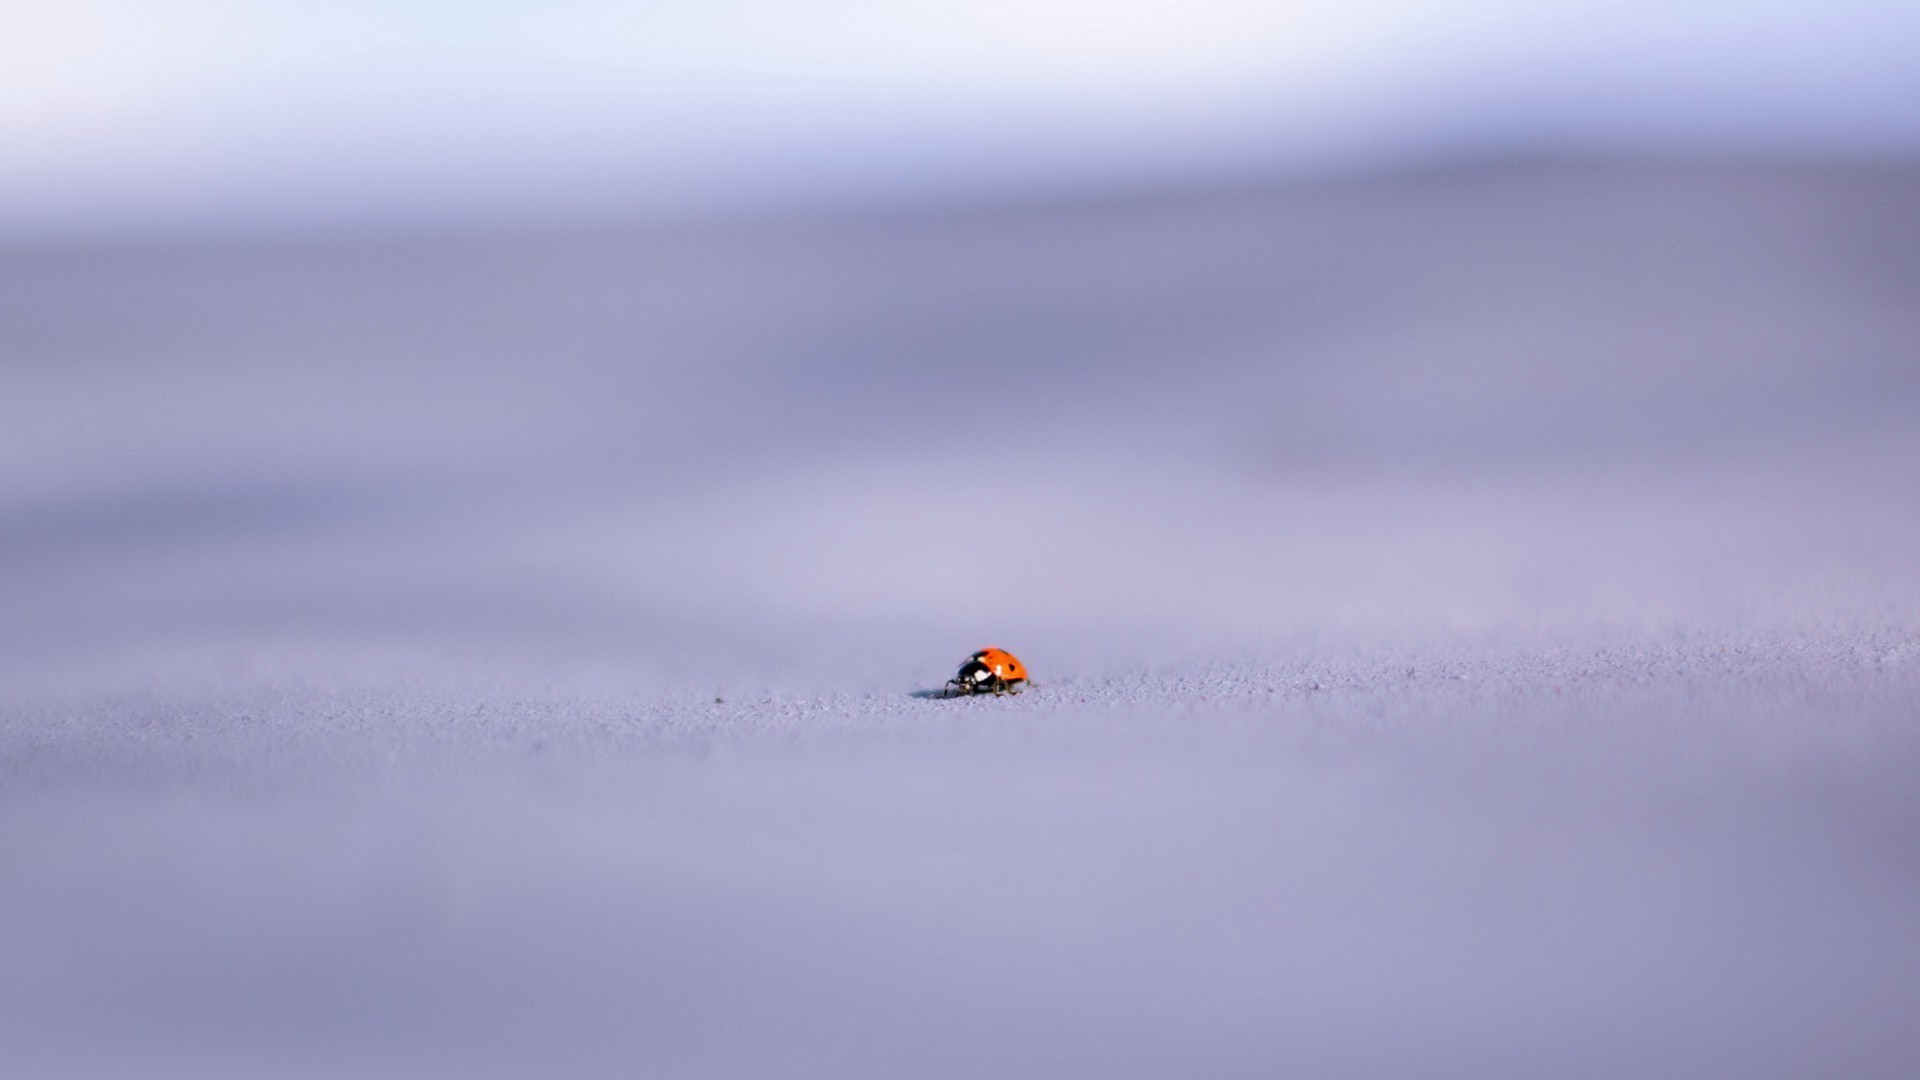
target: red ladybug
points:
(989, 671)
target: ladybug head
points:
(976, 673)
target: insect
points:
(989, 671)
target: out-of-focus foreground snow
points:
(1476, 618)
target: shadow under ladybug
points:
(989, 671)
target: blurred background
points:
(138, 116)
(762, 317)
(480, 484)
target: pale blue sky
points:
(132, 110)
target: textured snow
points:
(1475, 623)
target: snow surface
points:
(1475, 619)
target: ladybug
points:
(989, 671)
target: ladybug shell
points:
(1003, 664)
